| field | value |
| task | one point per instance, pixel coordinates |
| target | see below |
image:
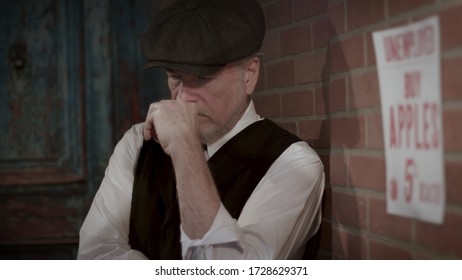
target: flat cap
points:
(202, 36)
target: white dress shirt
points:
(281, 214)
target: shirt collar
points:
(250, 116)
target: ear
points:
(252, 71)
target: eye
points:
(203, 79)
(173, 79)
(173, 76)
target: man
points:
(205, 177)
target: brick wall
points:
(319, 80)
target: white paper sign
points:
(408, 62)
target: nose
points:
(187, 93)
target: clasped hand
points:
(173, 124)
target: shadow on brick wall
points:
(340, 131)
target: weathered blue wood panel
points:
(134, 89)
(40, 108)
(127, 65)
(98, 89)
(32, 58)
(42, 168)
(71, 83)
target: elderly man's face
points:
(221, 98)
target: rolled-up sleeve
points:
(279, 217)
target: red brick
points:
(336, 14)
(398, 7)
(371, 60)
(320, 102)
(268, 105)
(451, 37)
(310, 67)
(311, 131)
(271, 45)
(364, 91)
(280, 74)
(347, 245)
(347, 132)
(261, 84)
(278, 13)
(452, 120)
(289, 126)
(453, 177)
(443, 238)
(316, 132)
(424, 255)
(367, 172)
(296, 40)
(347, 54)
(325, 159)
(308, 8)
(336, 97)
(361, 13)
(297, 104)
(388, 225)
(349, 210)
(374, 132)
(337, 172)
(382, 251)
(451, 81)
(320, 33)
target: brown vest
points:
(237, 167)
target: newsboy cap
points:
(202, 36)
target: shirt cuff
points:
(224, 229)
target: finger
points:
(147, 131)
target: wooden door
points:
(71, 83)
